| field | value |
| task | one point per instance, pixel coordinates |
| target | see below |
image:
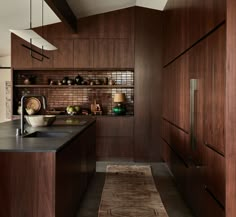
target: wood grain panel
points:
(123, 53)
(114, 148)
(186, 21)
(176, 93)
(114, 137)
(103, 53)
(83, 53)
(20, 56)
(148, 91)
(58, 31)
(230, 105)
(215, 174)
(115, 24)
(63, 56)
(214, 85)
(46, 63)
(34, 197)
(69, 190)
(212, 208)
(115, 126)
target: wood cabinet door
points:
(114, 139)
(45, 63)
(38, 62)
(123, 53)
(103, 53)
(83, 57)
(21, 57)
(215, 175)
(63, 56)
(214, 91)
(187, 21)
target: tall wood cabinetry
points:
(193, 113)
(195, 153)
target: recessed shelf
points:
(74, 86)
(73, 69)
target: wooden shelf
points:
(73, 69)
(74, 86)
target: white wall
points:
(5, 75)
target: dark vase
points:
(64, 80)
(78, 79)
(119, 110)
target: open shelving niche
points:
(60, 96)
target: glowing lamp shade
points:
(119, 97)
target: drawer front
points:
(108, 148)
(215, 175)
(114, 126)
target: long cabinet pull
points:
(193, 88)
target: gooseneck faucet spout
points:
(22, 130)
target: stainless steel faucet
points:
(22, 130)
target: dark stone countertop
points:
(9, 142)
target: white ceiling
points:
(14, 14)
(84, 8)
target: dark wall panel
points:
(148, 90)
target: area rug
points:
(130, 191)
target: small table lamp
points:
(119, 109)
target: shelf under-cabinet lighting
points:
(34, 38)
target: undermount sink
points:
(47, 134)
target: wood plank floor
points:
(171, 198)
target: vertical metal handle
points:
(193, 88)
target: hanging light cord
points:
(30, 14)
(31, 47)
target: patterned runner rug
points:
(130, 191)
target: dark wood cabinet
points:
(214, 91)
(148, 84)
(114, 138)
(123, 53)
(113, 53)
(103, 53)
(20, 56)
(83, 53)
(48, 184)
(215, 175)
(202, 180)
(45, 63)
(176, 93)
(187, 21)
(63, 56)
(74, 166)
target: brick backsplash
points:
(58, 97)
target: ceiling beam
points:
(64, 12)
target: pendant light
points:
(34, 38)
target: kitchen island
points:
(46, 176)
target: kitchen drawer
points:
(115, 126)
(212, 207)
(108, 148)
(215, 175)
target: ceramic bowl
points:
(40, 120)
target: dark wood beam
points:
(64, 12)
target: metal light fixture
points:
(34, 38)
